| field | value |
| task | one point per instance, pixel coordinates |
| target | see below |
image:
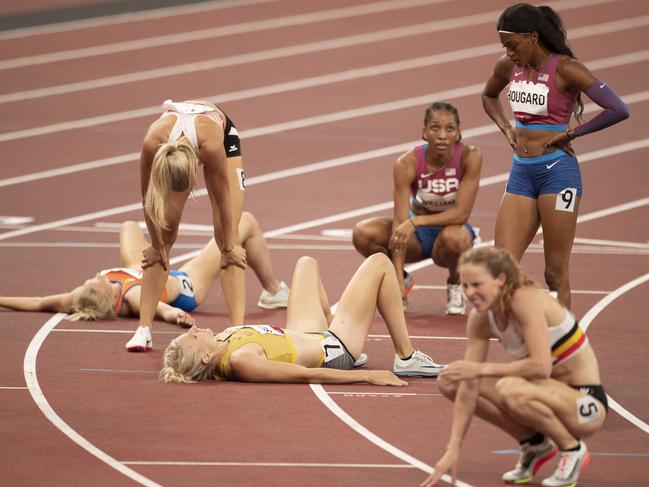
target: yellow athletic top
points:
(277, 345)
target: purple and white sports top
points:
(436, 191)
(538, 104)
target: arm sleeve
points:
(615, 110)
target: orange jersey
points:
(126, 280)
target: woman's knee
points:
(306, 261)
(555, 275)
(367, 235)
(447, 387)
(454, 240)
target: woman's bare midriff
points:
(533, 141)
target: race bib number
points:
(264, 329)
(242, 179)
(186, 288)
(587, 409)
(566, 200)
(332, 349)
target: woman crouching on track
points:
(116, 292)
(435, 186)
(185, 135)
(545, 85)
(315, 346)
(550, 394)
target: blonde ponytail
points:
(173, 169)
(184, 364)
(91, 305)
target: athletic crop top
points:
(277, 345)
(437, 190)
(126, 279)
(538, 104)
(567, 338)
(186, 114)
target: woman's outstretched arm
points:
(248, 366)
(59, 303)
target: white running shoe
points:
(531, 459)
(141, 340)
(279, 299)
(570, 464)
(454, 300)
(361, 360)
(418, 365)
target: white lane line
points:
(294, 20)
(173, 11)
(613, 243)
(13, 388)
(29, 368)
(271, 464)
(382, 394)
(443, 288)
(216, 32)
(586, 321)
(382, 107)
(341, 414)
(339, 161)
(298, 84)
(630, 146)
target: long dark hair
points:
(525, 18)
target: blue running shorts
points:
(428, 235)
(552, 173)
(185, 300)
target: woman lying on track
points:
(549, 394)
(116, 292)
(187, 135)
(435, 186)
(315, 346)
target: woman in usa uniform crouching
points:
(545, 85)
(549, 395)
(435, 187)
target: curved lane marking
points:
(324, 397)
(29, 368)
(585, 323)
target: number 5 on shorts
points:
(566, 200)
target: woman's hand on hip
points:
(562, 141)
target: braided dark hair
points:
(525, 18)
(443, 106)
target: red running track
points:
(333, 93)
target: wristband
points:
(412, 221)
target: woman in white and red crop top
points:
(435, 186)
(546, 83)
(548, 395)
(189, 134)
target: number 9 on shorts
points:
(566, 200)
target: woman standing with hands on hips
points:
(545, 86)
(186, 135)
